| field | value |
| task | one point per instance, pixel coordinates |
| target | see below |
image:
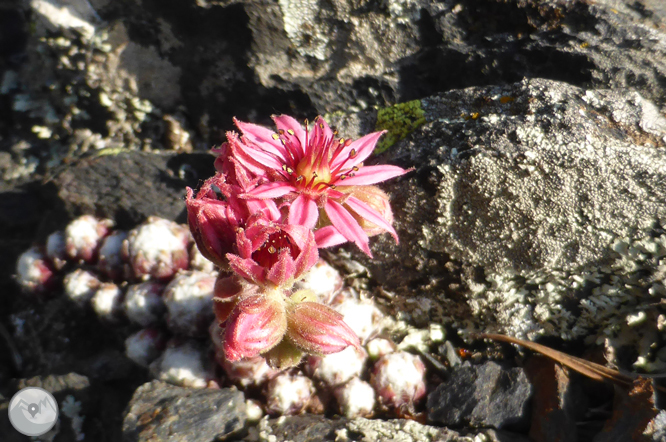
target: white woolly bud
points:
(183, 363)
(189, 302)
(33, 271)
(144, 346)
(288, 394)
(84, 235)
(143, 303)
(356, 398)
(158, 248)
(108, 302)
(399, 379)
(80, 286)
(337, 368)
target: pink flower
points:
(217, 212)
(308, 169)
(273, 254)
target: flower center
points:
(267, 255)
(310, 175)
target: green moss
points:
(399, 120)
(111, 151)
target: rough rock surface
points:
(486, 395)
(549, 197)
(161, 412)
(313, 428)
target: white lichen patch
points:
(304, 28)
(189, 302)
(72, 408)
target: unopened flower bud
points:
(56, 250)
(144, 346)
(183, 363)
(144, 304)
(108, 302)
(318, 329)
(256, 325)
(113, 260)
(337, 368)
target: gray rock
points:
(486, 395)
(163, 412)
(536, 208)
(310, 428)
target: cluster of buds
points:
(278, 197)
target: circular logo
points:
(33, 411)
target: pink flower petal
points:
(249, 154)
(308, 257)
(362, 148)
(328, 237)
(268, 207)
(270, 190)
(299, 235)
(262, 137)
(303, 212)
(283, 270)
(246, 268)
(321, 134)
(347, 225)
(294, 133)
(371, 175)
(367, 212)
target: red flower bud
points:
(318, 329)
(256, 325)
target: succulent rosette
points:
(321, 177)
